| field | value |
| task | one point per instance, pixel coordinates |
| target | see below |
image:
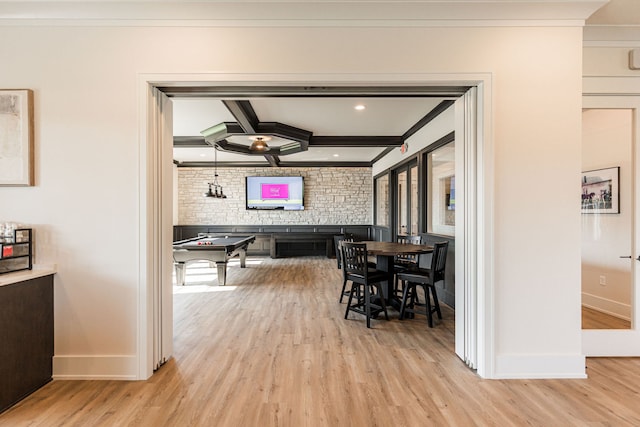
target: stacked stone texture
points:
(331, 196)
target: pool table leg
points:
(180, 270)
(243, 258)
(222, 273)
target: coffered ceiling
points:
(346, 130)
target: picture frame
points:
(16, 137)
(601, 191)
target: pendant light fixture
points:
(259, 143)
(215, 189)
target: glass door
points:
(406, 206)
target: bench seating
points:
(297, 238)
(281, 240)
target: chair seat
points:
(416, 275)
(426, 279)
(374, 275)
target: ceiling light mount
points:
(259, 143)
(220, 135)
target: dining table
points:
(385, 253)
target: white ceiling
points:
(335, 116)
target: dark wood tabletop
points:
(394, 248)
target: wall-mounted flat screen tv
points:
(275, 192)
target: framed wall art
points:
(601, 191)
(16, 137)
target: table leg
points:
(180, 272)
(243, 258)
(222, 273)
(385, 263)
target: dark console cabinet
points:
(26, 338)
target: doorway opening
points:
(158, 210)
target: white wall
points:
(85, 206)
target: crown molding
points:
(611, 36)
(269, 13)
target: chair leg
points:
(403, 305)
(346, 313)
(436, 303)
(383, 304)
(344, 286)
(427, 289)
(367, 305)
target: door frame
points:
(395, 171)
(473, 129)
(605, 93)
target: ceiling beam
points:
(190, 142)
(381, 155)
(439, 109)
(355, 141)
(315, 91)
(274, 161)
(244, 113)
(281, 164)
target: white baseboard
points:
(95, 368)
(540, 366)
(604, 305)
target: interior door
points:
(610, 232)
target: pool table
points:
(210, 248)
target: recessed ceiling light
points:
(336, 155)
(359, 107)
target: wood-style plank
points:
(594, 319)
(273, 349)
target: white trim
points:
(610, 343)
(607, 306)
(618, 86)
(306, 23)
(302, 13)
(484, 152)
(616, 92)
(107, 367)
(526, 366)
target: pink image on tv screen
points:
(275, 191)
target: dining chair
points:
(426, 278)
(337, 241)
(366, 282)
(403, 262)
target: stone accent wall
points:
(331, 196)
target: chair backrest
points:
(408, 258)
(354, 259)
(439, 260)
(414, 240)
(337, 239)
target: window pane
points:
(414, 199)
(402, 203)
(441, 201)
(382, 201)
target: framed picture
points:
(16, 137)
(601, 191)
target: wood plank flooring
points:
(594, 319)
(273, 349)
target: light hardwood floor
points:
(273, 349)
(594, 319)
